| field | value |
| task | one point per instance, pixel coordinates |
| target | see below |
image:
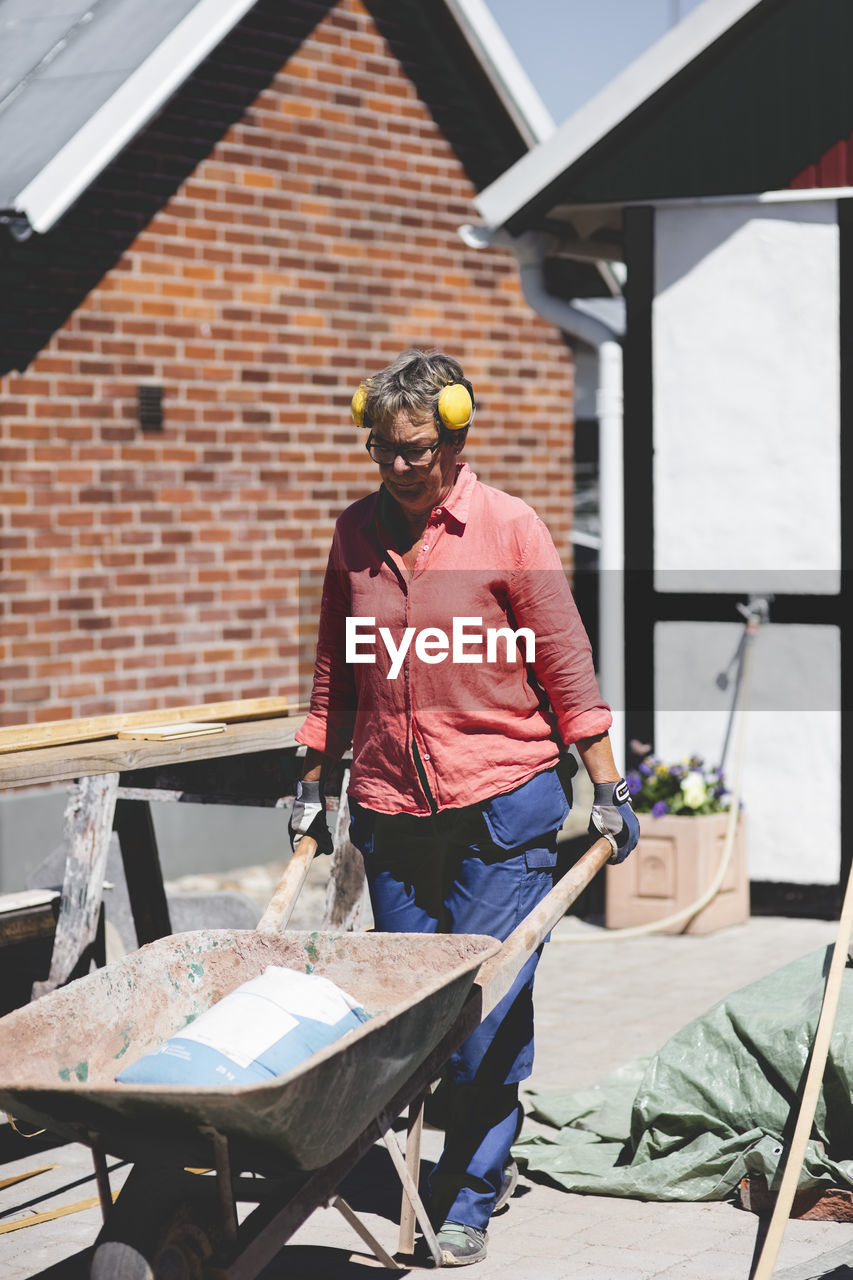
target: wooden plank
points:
(88, 826)
(22, 1177)
(27, 925)
(27, 898)
(166, 732)
(53, 733)
(35, 1219)
(66, 762)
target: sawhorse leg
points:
(88, 823)
(136, 836)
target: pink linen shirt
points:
(485, 713)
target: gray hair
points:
(411, 384)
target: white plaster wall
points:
(746, 407)
(792, 735)
(747, 500)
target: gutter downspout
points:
(530, 249)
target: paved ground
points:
(599, 1004)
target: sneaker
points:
(460, 1245)
(508, 1186)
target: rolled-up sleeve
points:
(541, 600)
(328, 727)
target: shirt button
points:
(437, 511)
(426, 757)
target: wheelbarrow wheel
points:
(165, 1225)
(182, 1256)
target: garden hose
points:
(755, 615)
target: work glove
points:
(613, 816)
(308, 817)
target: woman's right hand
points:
(308, 817)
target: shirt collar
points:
(457, 504)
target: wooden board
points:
(27, 899)
(114, 755)
(52, 733)
(168, 732)
(28, 922)
(35, 1219)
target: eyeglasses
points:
(418, 455)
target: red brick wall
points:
(317, 240)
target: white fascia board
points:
(44, 200)
(514, 189)
(509, 79)
(783, 195)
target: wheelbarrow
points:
(303, 1131)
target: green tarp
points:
(717, 1103)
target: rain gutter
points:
(530, 250)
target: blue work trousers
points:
(447, 873)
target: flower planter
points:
(672, 866)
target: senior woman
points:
(452, 659)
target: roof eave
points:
(505, 198)
(503, 69)
(44, 200)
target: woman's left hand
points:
(613, 816)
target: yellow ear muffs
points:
(357, 404)
(455, 406)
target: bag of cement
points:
(261, 1030)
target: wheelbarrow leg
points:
(102, 1176)
(224, 1183)
(361, 1229)
(389, 1137)
(414, 1130)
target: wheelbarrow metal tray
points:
(59, 1055)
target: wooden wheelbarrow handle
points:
(497, 974)
(280, 906)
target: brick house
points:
(179, 345)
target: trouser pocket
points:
(521, 816)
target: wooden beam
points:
(63, 763)
(53, 733)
